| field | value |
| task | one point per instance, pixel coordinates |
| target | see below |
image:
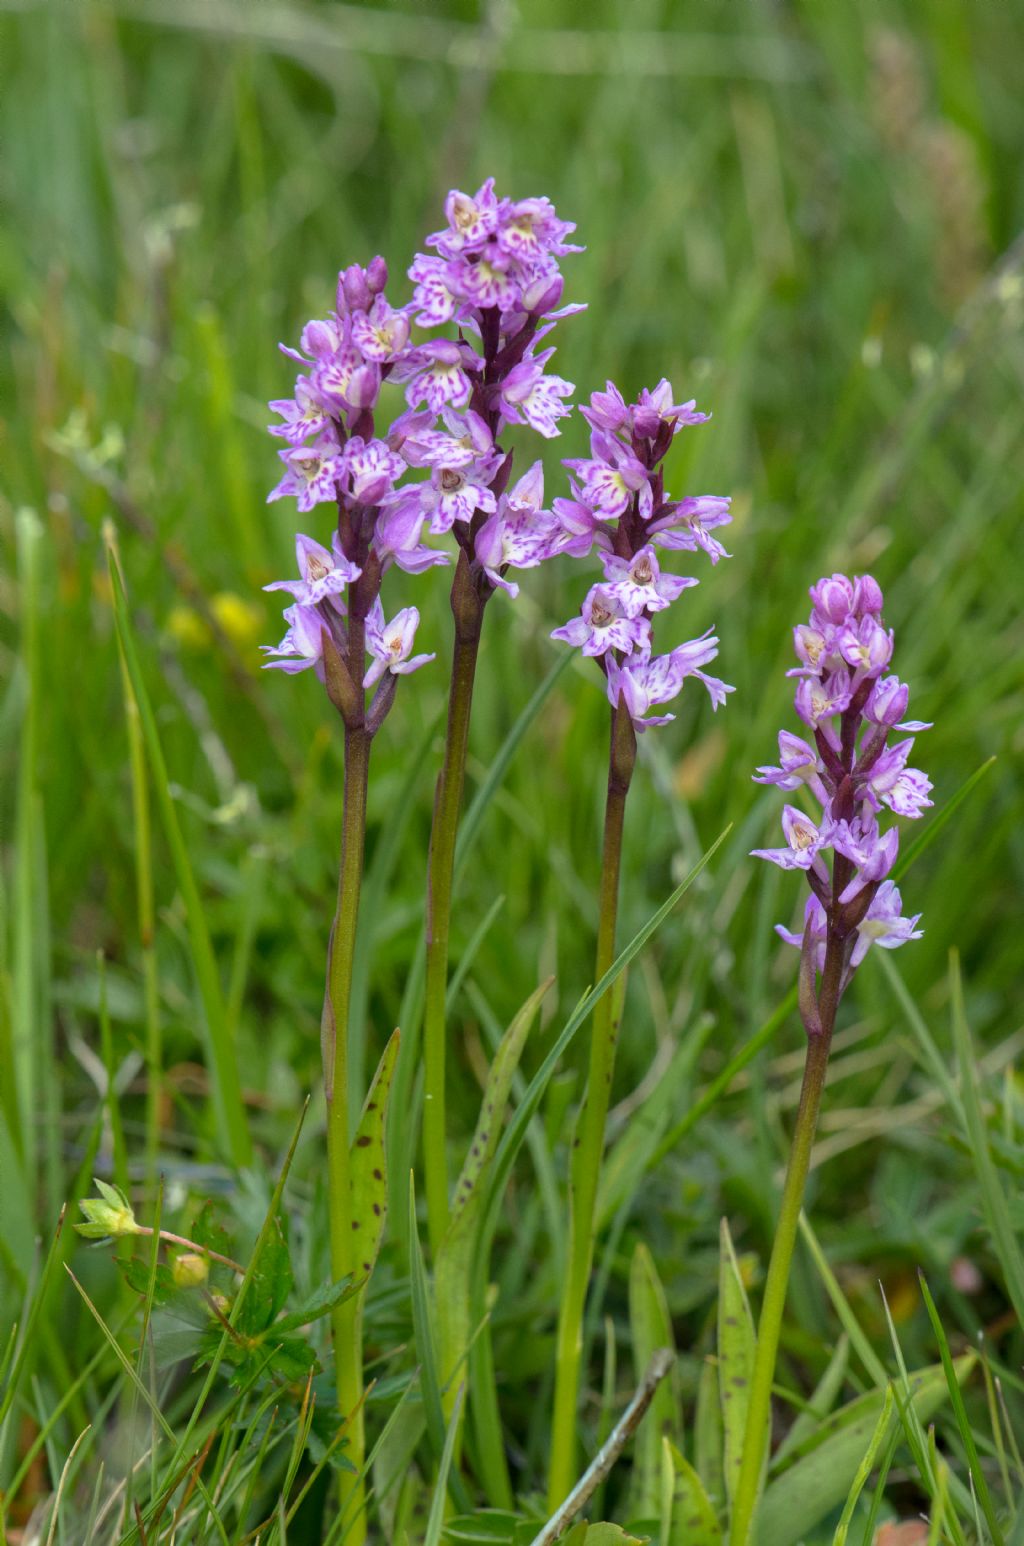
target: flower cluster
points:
(850, 707)
(619, 506)
(439, 467)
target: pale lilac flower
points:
(604, 624)
(530, 228)
(372, 469)
(888, 704)
(883, 924)
(659, 679)
(817, 700)
(608, 409)
(804, 842)
(581, 527)
(873, 852)
(437, 374)
(433, 300)
(302, 645)
(390, 644)
(815, 927)
(312, 474)
(319, 341)
(890, 782)
(396, 538)
(815, 649)
(687, 524)
(381, 333)
(345, 381)
(324, 575)
(866, 647)
(471, 220)
(456, 494)
(490, 280)
(465, 439)
(611, 476)
(799, 763)
(528, 396)
(520, 534)
(853, 774)
(832, 599)
(303, 415)
(655, 411)
(639, 584)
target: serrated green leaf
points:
(736, 1345)
(138, 1275)
(270, 1285)
(820, 1480)
(454, 1259)
(367, 1172)
(209, 1232)
(651, 1326)
(688, 1516)
(321, 1302)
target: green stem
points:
(467, 607)
(346, 1320)
(586, 1161)
(756, 1436)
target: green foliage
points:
(806, 217)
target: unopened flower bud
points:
(376, 275)
(543, 294)
(867, 595)
(109, 1214)
(354, 289)
(190, 1269)
(221, 1302)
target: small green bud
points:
(221, 1302)
(190, 1269)
(109, 1214)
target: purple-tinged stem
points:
(589, 1146)
(467, 609)
(346, 1318)
(769, 1327)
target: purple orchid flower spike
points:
(390, 644)
(850, 706)
(843, 651)
(619, 506)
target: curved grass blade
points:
(962, 1420)
(232, 1127)
(516, 1130)
(865, 1468)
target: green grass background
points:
(803, 214)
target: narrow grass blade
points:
(873, 1365)
(453, 1267)
(435, 1521)
(962, 1420)
(516, 1130)
(232, 1126)
(993, 1198)
(865, 1468)
(930, 832)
